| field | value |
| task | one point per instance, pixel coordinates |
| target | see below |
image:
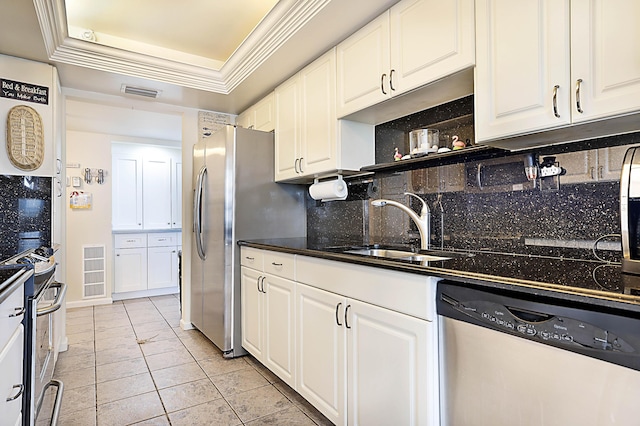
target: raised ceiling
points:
(208, 29)
(293, 33)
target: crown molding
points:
(278, 26)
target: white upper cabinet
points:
(414, 43)
(605, 55)
(260, 116)
(568, 62)
(147, 187)
(156, 192)
(310, 140)
(127, 191)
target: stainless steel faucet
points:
(422, 221)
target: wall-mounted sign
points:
(24, 91)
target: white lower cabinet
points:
(358, 363)
(268, 318)
(11, 372)
(321, 351)
(146, 262)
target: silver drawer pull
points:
(276, 264)
(20, 388)
(578, 106)
(555, 101)
(17, 312)
(250, 258)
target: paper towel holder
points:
(329, 190)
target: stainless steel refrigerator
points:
(234, 198)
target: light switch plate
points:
(76, 181)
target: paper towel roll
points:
(329, 190)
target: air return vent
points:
(140, 91)
(93, 272)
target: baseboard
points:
(145, 293)
(89, 302)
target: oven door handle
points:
(57, 303)
(58, 401)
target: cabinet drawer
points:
(279, 264)
(10, 306)
(130, 241)
(164, 239)
(11, 357)
(252, 258)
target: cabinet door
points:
(130, 270)
(162, 268)
(246, 119)
(287, 129)
(176, 194)
(318, 111)
(11, 360)
(265, 114)
(363, 64)
(127, 192)
(252, 312)
(580, 166)
(279, 311)
(156, 193)
(605, 41)
(321, 351)
(518, 64)
(424, 49)
(389, 379)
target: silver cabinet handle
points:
(17, 312)
(601, 172)
(276, 264)
(592, 172)
(262, 281)
(337, 317)
(18, 394)
(258, 284)
(346, 312)
(250, 258)
(391, 80)
(295, 165)
(555, 101)
(301, 158)
(382, 84)
(578, 83)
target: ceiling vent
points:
(140, 91)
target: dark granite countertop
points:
(569, 275)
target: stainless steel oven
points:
(41, 300)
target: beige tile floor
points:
(175, 377)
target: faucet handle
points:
(425, 208)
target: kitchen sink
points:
(397, 254)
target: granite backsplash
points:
(567, 213)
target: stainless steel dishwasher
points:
(517, 359)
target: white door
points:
(156, 193)
(252, 312)
(162, 265)
(279, 311)
(605, 46)
(430, 39)
(318, 110)
(363, 64)
(287, 99)
(321, 351)
(519, 63)
(127, 192)
(130, 270)
(388, 363)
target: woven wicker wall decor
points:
(25, 141)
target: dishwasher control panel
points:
(601, 335)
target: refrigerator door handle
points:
(197, 212)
